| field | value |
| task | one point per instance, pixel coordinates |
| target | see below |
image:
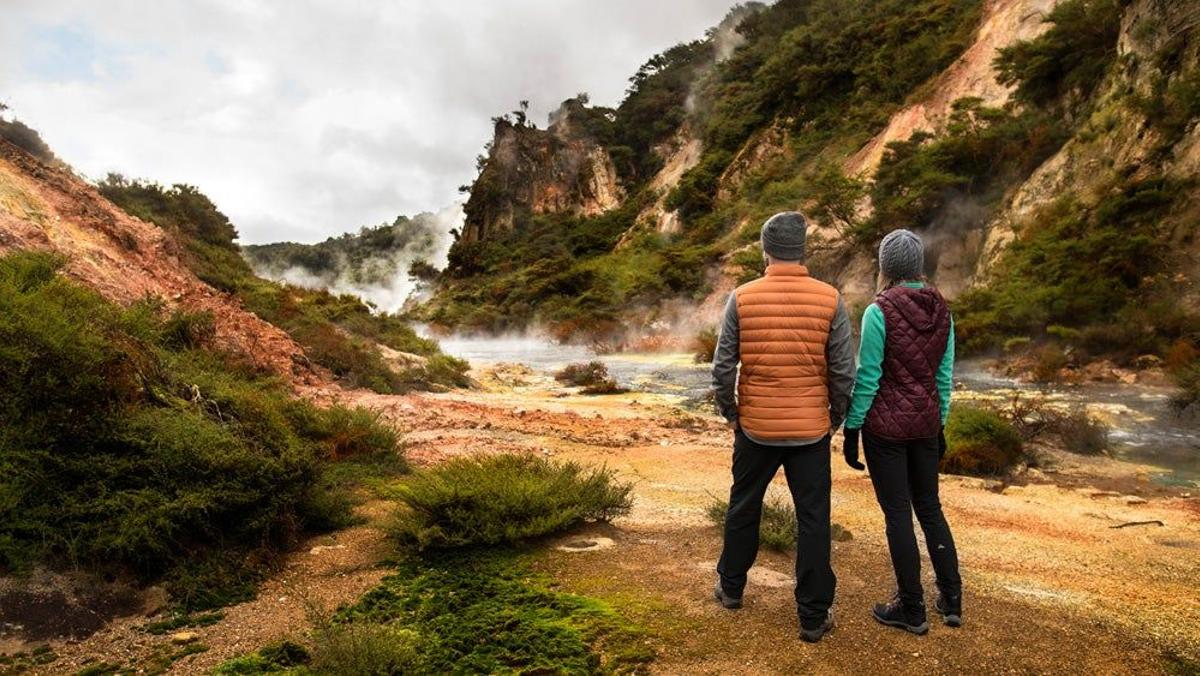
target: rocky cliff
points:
(560, 169)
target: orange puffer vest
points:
(783, 327)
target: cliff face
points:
(1117, 139)
(561, 169)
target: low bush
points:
(1187, 378)
(503, 499)
(704, 346)
(365, 648)
(591, 376)
(1048, 363)
(980, 442)
(1081, 433)
(778, 527)
(126, 448)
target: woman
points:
(900, 402)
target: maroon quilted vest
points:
(916, 325)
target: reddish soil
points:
(125, 259)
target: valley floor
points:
(1052, 585)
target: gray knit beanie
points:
(783, 236)
(901, 255)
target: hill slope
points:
(1038, 146)
(48, 208)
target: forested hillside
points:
(1048, 151)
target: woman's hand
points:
(850, 448)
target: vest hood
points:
(923, 308)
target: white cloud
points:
(306, 118)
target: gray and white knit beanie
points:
(901, 255)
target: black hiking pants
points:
(905, 476)
(807, 472)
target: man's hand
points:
(850, 448)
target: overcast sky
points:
(306, 118)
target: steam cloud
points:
(383, 279)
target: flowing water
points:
(1143, 426)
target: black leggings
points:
(905, 476)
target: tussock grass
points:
(503, 499)
(778, 527)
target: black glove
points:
(942, 443)
(850, 448)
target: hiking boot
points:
(950, 608)
(814, 634)
(896, 614)
(726, 600)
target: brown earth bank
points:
(1053, 585)
(49, 208)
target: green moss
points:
(277, 658)
(182, 620)
(34, 660)
(487, 613)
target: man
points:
(791, 334)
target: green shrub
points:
(1081, 433)
(125, 449)
(778, 527)
(960, 175)
(751, 262)
(1049, 361)
(1079, 267)
(704, 346)
(1017, 344)
(1187, 378)
(1069, 58)
(365, 648)
(503, 499)
(583, 374)
(980, 442)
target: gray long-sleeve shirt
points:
(839, 362)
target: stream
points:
(1143, 426)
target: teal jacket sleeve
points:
(870, 366)
(945, 375)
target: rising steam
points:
(372, 264)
